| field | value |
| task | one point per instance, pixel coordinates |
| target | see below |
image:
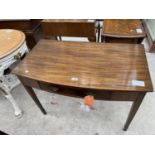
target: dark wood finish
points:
(134, 109)
(31, 92)
(92, 64)
(31, 28)
(70, 28)
(122, 31)
(78, 92)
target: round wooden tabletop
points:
(10, 41)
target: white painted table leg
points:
(5, 90)
(17, 110)
(8, 82)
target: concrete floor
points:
(66, 117)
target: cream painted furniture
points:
(12, 49)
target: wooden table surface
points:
(10, 40)
(126, 28)
(93, 65)
(108, 71)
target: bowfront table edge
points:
(136, 97)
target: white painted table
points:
(12, 49)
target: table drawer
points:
(63, 90)
(74, 92)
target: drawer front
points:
(81, 92)
(74, 92)
(63, 90)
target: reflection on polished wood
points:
(97, 66)
(69, 27)
(77, 69)
(123, 30)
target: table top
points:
(123, 28)
(88, 65)
(10, 40)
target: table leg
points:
(5, 91)
(99, 29)
(134, 109)
(34, 97)
(18, 111)
(60, 39)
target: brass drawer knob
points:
(18, 56)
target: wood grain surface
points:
(125, 28)
(87, 65)
(69, 27)
(10, 40)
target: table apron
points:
(81, 92)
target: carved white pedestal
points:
(8, 82)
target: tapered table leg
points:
(34, 97)
(134, 109)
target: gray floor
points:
(66, 117)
